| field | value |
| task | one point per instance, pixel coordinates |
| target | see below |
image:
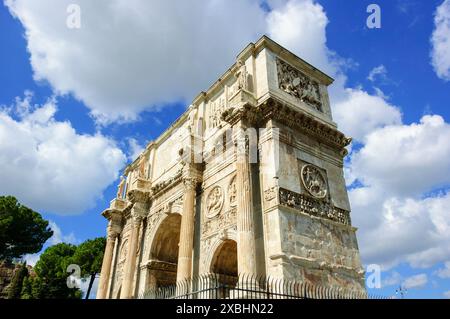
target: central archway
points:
(224, 263)
(162, 267)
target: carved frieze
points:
(313, 207)
(221, 221)
(299, 85)
(314, 181)
(214, 202)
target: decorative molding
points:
(245, 110)
(296, 119)
(314, 181)
(169, 183)
(299, 85)
(314, 207)
(139, 195)
(161, 265)
(214, 202)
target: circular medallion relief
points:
(214, 202)
(314, 181)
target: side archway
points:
(224, 262)
(163, 256)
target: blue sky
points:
(113, 86)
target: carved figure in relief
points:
(214, 201)
(313, 181)
(232, 191)
(299, 85)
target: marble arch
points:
(289, 210)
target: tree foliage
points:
(89, 256)
(22, 230)
(50, 281)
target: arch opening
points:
(224, 263)
(162, 266)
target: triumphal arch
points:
(249, 180)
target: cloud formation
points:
(47, 165)
(416, 281)
(130, 56)
(440, 41)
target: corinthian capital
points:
(112, 233)
(190, 183)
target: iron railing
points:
(215, 286)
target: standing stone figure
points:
(121, 188)
(241, 75)
(141, 171)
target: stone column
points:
(184, 268)
(245, 224)
(113, 270)
(107, 263)
(130, 263)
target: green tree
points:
(26, 288)
(50, 281)
(15, 288)
(22, 230)
(89, 256)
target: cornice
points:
(299, 120)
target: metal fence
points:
(215, 286)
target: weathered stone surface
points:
(249, 179)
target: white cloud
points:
(393, 279)
(444, 272)
(135, 149)
(47, 165)
(378, 72)
(406, 159)
(58, 237)
(416, 281)
(359, 113)
(134, 55)
(440, 41)
(394, 230)
(301, 27)
(447, 294)
(397, 165)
